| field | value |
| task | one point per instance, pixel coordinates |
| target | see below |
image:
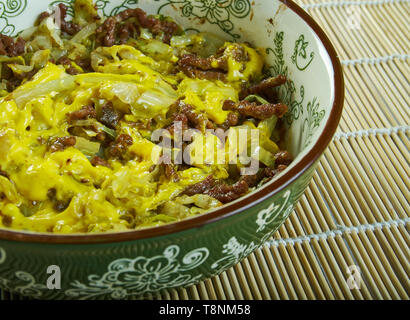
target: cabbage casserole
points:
(81, 97)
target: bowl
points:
(122, 265)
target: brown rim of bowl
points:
(230, 209)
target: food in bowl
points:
(95, 114)
(115, 265)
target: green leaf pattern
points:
(300, 52)
(289, 92)
(10, 9)
(142, 275)
(23, 283)
(313, 119)
(101, 6)
(219, 12)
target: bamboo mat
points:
(355, 214)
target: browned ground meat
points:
(60, 144)
(255, 110)
(119, 147)
(180, 121)
(13, 80)
(253, 180)
(4, 174)
(211, 68)
(42, 16)
(226, 193)
(185, 114)
(210, 124)
(197, 67)
(84, 63)
(219, 190)
(210, 75)
(195, 120)
(202, 74)
(127, 31)
(67, 26)
(86, 112)
(263, 86)
(6, 220)
(125, 139)
(239, 54)
(67, 62)
(10, 48)
(283, 158)
(109, 116)
(231, 121)
(201, 187)
(229, 105)
(101, 137)
(192, 60)
(156, 26)
(170, 172)
(97, 161)
(270, 173)
(108, 33)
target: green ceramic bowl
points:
(138, 262)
